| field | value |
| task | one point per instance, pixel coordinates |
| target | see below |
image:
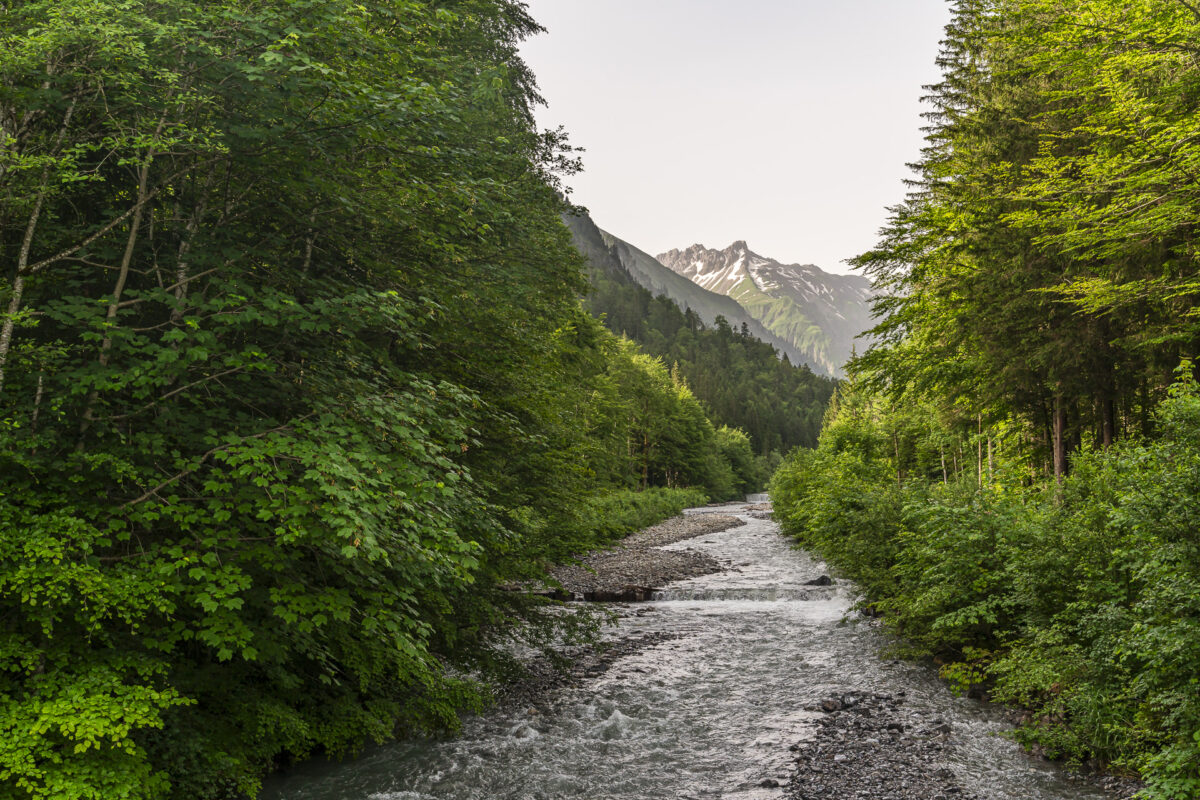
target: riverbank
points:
(872, 745)
(866, 745)
(637, 565)
(754, 682)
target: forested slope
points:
(294, 381)
(1013, 471)
(615, 259)
(740, 378)
(820, 316)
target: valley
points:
(819, 314)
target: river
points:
(707, 715)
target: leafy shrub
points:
(617, 514)
(1081, 604)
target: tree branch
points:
(174, 392)
(204, 457)
(172, 287)
(73, 249)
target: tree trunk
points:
(979, 453)
(1146, 423)
(181, 265)
(310, 239)
(135, 224)
(899, 475)
(1060, 439)
(10, 319)
(1108, 420)
(645, 462)
(18, 284)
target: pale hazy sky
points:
(787, 123)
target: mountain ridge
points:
(725, 356)
(819, 314)
(603, 248)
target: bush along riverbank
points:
(1078, 602)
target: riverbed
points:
(746, 669)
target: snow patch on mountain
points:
(818, 312)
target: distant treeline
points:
(296, 386)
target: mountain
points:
(609, 254)
(729, 360)
(816, 313)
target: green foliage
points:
(1079, 604)
(741, 381)
(1028, 447)
(843, 506)
(668, 439)
(1043, 272)
(294, 382)
(750, 471)
(617, 514)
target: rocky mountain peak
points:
(817, 312)
(716, 270)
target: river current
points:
(706, 715)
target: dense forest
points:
(1013, 471)
(742, 381)
(296, 385)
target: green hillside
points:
(784, 317)
(740, 379)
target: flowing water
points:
(709, 714)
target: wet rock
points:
(859, 751)
(769, 783)
(624, 594)
(824, 580)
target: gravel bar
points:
(873, 746)
(637, 567)
(866, 747)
